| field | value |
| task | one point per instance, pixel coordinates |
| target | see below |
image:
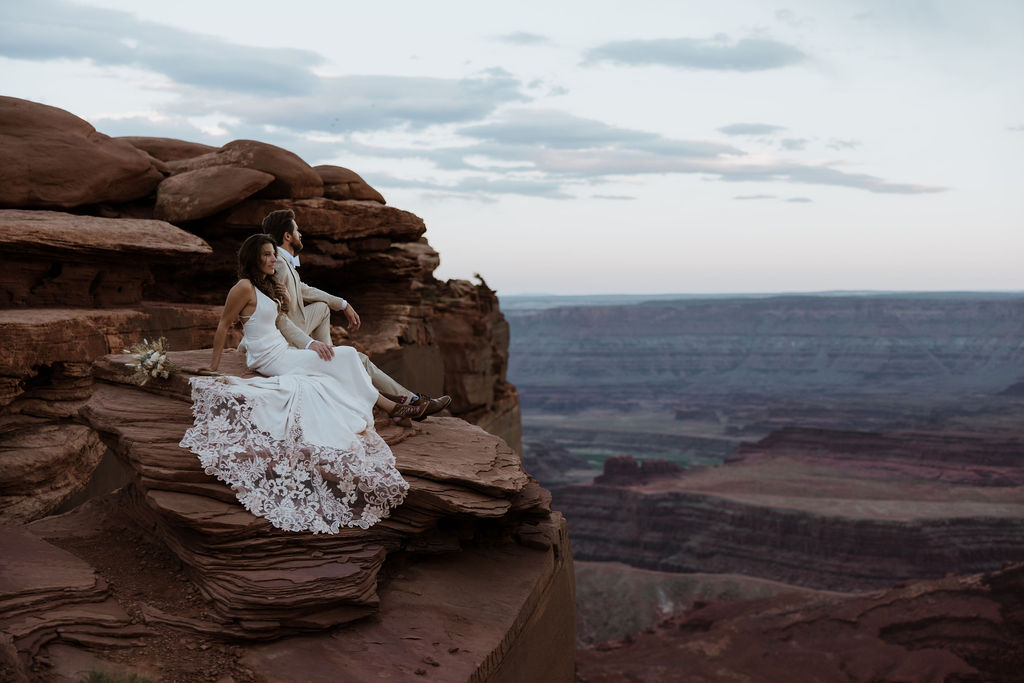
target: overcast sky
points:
(595, 147)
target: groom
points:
(309, 311)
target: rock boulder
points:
(341, 183)
(293, 177)
(197, 194)
(52, 158)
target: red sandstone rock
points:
(500, 611)
(453, 468)
(52, 158)
(48, 595)
(293, 177)
(42, 464)
(958, 628)
(51, 232)
(167, 149)
(45, 368)
(330, 218)
(60, 259)
(341, 183)
(197, 194)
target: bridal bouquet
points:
(151, 361)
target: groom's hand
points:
(325, 351)
(352, 317)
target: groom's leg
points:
(318, 322)
(382, 382)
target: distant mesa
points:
(624, 470)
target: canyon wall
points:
(774, 345)
(840, 511)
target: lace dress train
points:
(298, 448)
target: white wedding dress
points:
(298, 447)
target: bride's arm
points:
(239, 295)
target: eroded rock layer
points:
(471, 577)
(954, 629)
(841, 511)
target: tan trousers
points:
(318, 326)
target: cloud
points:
(794, 144)
(524, 38)
(479, 185)
(800, 200)
(718, 54)
(558, 130)
(492, 147)
(163, 127)
(790, 18)
(350, 103)
(1017, 129)
(617, 197)
(823, 175)
(750, 129)
(563, 148)
(754, 196)
(836, 143)
(45, 30)
(260, 86)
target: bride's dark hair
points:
(249, 268)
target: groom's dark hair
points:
(277, 223)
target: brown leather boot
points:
(434, 405)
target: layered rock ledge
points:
(471, 577)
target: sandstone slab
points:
(52, 158)
(197, 194)
(329, 218)
(61, 259)
(167, 149)
(54, 232)
(48, 595)
(293, 177)
(46, 457)
(341, 183)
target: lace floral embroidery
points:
(295, 485)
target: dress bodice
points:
(263, 341)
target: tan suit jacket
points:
(294, 326)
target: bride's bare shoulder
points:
(242, 290)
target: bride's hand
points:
(325, 351)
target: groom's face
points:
(295, 237)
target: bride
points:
(298, 445)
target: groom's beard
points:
(297, 246)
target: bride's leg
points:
(385, 404)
